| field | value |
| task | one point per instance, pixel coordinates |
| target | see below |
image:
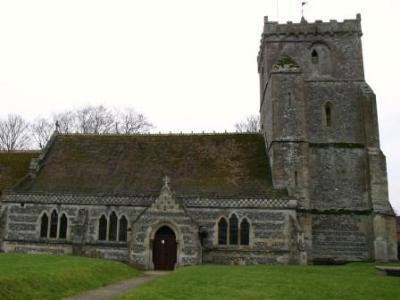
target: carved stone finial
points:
(166, 181)
(57, 126)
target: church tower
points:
(319, 121)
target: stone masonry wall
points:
(273, 237)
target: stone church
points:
(310, 187)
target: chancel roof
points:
(196, 164)
(13, 166)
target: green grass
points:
(354, 281)
(24, 276)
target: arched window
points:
(328, 114)
(44, 225)
(53, 224)
(112, 233)
(103, 228)
(222, 232)
(63, 227)
(123, 228)
(314, 57)
(321, 59)
(233, 230)
(244, 232)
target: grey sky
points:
(188, 65)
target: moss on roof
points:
(218, 164)
(14, 166)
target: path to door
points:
(115, 289)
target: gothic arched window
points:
(314, 57)
(244, 232)
(328, 114)
(321, 59)
(222, 232)
(103, 228)
(123, 228)
(53, 224)
(44, 225)
(63, 227)
(112, 231)
(233, 230)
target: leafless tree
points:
(14, 133)
(129, 121)
(250, 124)
(41, 130)
(94, 119)
(66, 121)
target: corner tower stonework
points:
(319, 121)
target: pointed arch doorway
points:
(164, 249)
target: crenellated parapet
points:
(315, 28)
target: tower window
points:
(314, 56)
(328, 114)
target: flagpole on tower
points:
(277, 11)
(302, 9)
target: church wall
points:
(22, 229)
(338, 178)
(270, 236)
(341, 237)
(273, 238)
(346, 112)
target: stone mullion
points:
(117, 237)
(48, 226)
(108, 227)
(58, 227)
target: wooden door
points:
(164, 249)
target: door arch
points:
(164, 249)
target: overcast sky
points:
(188, 65)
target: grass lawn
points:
(353, 281)
(24, 276)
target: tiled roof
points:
(13, 166)
(203, 164)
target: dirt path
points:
(115, 289)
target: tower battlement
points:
(316, 28)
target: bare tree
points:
(14, 133)
(41, 130)
(129, 121)
(94, 119)
(250, 124)
(66, 121)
